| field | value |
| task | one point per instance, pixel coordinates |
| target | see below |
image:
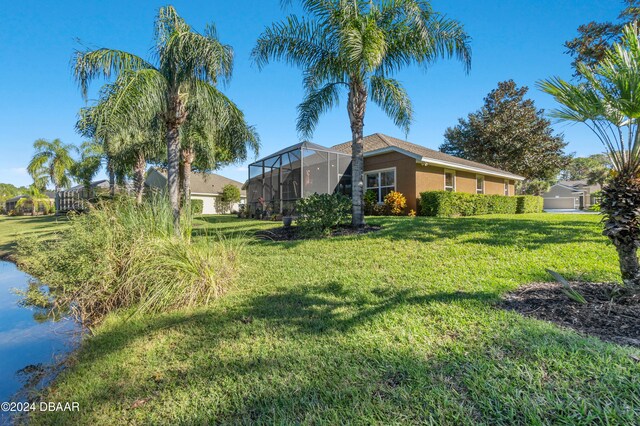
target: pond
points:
(29, 344)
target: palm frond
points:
(316, 103)
(389, 95)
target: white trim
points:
(506, 181)
(456, 166)
(427, 161)
(377, 188)
(444, 179)
(483, 186)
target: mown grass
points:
(398, 326)
(11, 226)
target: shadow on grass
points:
(298, 363)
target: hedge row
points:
(447, 204)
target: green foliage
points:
(595, 38)
(450, 204)
(318, 214)
(124, 255)
(529, 204)
(8, 190)
(535, 186)
(580, 168)
(370, 201)
(51, 164)
(390, 327)
(230, 193)
(509, 133)
(197, 206)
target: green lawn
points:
(11, 226)
(398, 326)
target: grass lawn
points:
(10, 226)
(397, 326)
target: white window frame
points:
(481, 190)
(379, 187)
(444, 179)
(506, 187)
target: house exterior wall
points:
(405, 173)
(210, 203)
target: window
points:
(506, 187)
(380, 181)
(449, 180)
(479, 184)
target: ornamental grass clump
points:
(126, 256)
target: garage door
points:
(561, 203)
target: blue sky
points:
(515, 39)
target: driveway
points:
(570, 211)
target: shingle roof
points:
(379, 141)
(580, 184)
(209, 183)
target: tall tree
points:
(357, 45)
(595, 38)
(183, 80)
(509, 133)
(608, 102)
(51, 164)
(580, 168)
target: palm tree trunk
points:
(176, 117)
(356, 107)
(173, 162)
(112, 177)
(188, 155)
(138, 179)
(621, 208)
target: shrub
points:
(124, 256)
(319, 213)
(449, 204)
(370, 201)
(395, 202)
(529, 204)
(197, 206)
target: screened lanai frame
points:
(278, 181)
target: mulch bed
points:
(292, 233)
(611, 313)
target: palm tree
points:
(85, 169)
(183, 80)
(52, 163)
(357, 45)
(607, 100)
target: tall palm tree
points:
(183, 80)
(51, 164)
(607, 100)
(357, 45)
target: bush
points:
(124, 256)
(448, 204)
(395, 202)
(370, 201)
(197, 206)
(319, 213)
(529, 204)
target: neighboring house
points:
(11, 204)
(390, 164)
(204, 186)
(571, 194)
